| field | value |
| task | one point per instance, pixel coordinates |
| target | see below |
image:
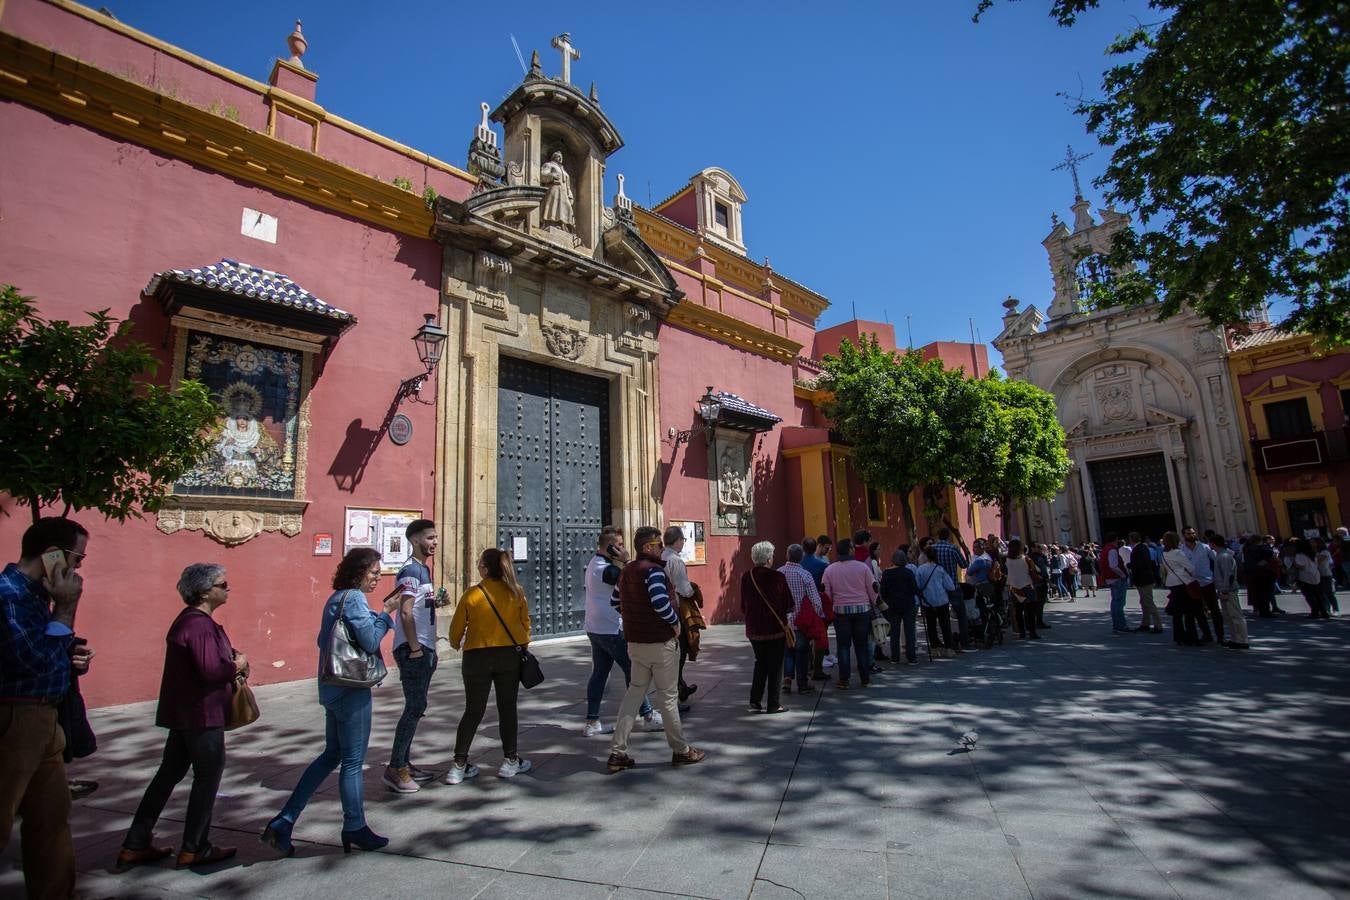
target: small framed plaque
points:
(400, 429)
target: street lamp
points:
(709, 408)
(428, 340)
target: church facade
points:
(510, 347)
(1148, 405)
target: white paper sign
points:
(520, 549)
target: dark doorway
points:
(1308, 518)
(552, 484)
(1133, 494)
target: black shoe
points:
(80, 789)
(1043, 626)
(277, 835)
(363, 839)
(1141, 628)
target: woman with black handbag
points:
(345, 696)
(496, 617)
(766, 603)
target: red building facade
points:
(286, 257)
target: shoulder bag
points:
(531, 674)
(243, 705)
(787, 632)
(1192, 587)
(345, 663)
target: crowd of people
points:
(642, 613)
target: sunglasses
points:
(223, 585)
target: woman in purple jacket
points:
(194, 699)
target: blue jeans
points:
(415, 677)
(798, 661)
(607, 650)
(346, 734)
(1119, 588)
(851, 631)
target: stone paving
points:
(1106, 766)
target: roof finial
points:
(484, 131)
(1071, 163)
(536, 70)
(563, 43)
(297, 44)
(622, 204)
(595, 98)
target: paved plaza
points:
(1106, 766)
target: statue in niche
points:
(731, 479)
(558, 202)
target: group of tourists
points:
(642, 614)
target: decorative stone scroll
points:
(229, 526)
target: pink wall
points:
(973, 358)
(683, 211)
(684, 355)
(827, 340)
(110, 51)
(87, 221)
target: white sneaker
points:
(459, 773)
(512, 767)
(595, 728)
(652, 721)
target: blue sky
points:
(897, 157)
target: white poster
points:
(394, 550)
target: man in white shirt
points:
(415, 653)
(1202, 559)
(672, 540)
(604, 628)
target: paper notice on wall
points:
(394, 549)
(360, 530)
(520, 549)
(694, 551)
(381, 529)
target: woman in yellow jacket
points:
(497, 621)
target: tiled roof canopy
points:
(741, 414)
(249, 291)
(1259, 338)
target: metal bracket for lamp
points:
(429, 340)
(709, 408)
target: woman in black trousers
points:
(766, 602)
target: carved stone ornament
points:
(1115, 402)
(563, 341)
(228, 526)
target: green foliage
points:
(1231, 139)
(910, 422)
(403, 184)
(83, 428)
(1035, 462)
(429, 196)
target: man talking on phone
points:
(39, 595)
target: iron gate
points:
(552, 484)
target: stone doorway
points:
(552, 484)
(1133, 493)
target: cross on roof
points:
(1071, 163)
(563, 43)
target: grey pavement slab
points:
(1106, 766)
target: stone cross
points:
(563, 43)
(1071, 163)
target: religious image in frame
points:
(253, 446)
(731, 491)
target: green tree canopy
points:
(910, 423)
(1034, 461)
(1230, 134)
(83, 427)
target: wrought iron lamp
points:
(709, 408)
(428, 340)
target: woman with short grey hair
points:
(765, 604)
(200, 668)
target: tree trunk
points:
(907, 512)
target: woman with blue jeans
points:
(346, 710)
(851, 587)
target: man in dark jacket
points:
(652, 628)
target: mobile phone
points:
(78, 642)
(52, 561)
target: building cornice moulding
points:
(52, 82)
(730, 330)
(105, 21)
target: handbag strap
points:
(777, 618)
(492, 607)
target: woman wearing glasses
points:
(194, 700)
